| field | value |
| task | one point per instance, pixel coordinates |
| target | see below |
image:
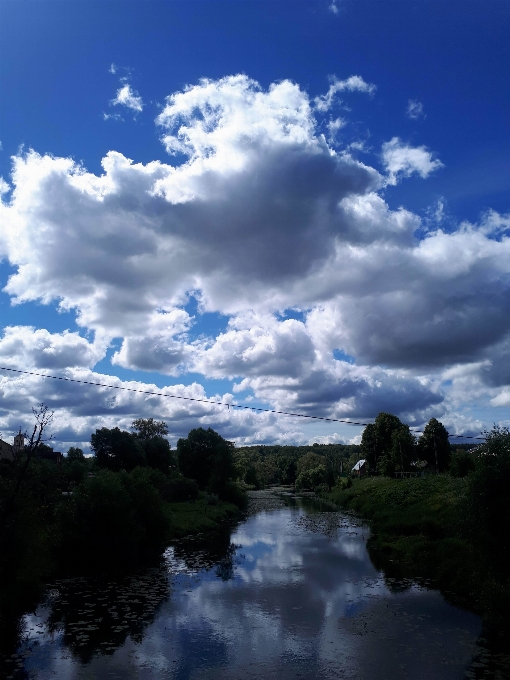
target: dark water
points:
(289, 593)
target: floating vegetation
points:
(94, 615)
(266, 500)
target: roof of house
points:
(359, 465)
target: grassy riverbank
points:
(197, 517)
(422, 527)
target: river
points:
(290, 592)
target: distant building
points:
(360, 468)
(19, 443)
(49, 454)
(6, 451)
(10, 451)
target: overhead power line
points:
(210, 401)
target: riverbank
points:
(420, 527)
(186, 519)
(25, 571)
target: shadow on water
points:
(289, 592)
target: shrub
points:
(112, 516)
(232, 493)
(461, 463)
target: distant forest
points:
(305, 466)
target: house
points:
(10, 451)
(6, 451)
(49, 454)
(360, 468)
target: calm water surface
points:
(289, 593)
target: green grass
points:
(418, 530)
(197, 516)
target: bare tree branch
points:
(43, 417)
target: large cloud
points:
(38, 348)
(256, 215)
(281, 363)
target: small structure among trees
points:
(11, 451)
(361, 468)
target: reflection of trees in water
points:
(208, 551)
(98, 614)
(16, 599)
(225, 567)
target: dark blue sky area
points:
(453, 57)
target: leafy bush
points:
(179, 488)
(309, 479)
(489, 497)
(232, 493)
(462, 463)
(112, 515)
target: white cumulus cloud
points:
(351, 84)
(402, 160)
(261, 216)
(127, 97)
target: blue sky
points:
(320, 226)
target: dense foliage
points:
(260, 466)
(388, 445)
(434, 446)
(119, 505)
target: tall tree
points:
(377, 442)
(43, 417)
(116, 449)
(151, 435)
(403, 447)
(207, 458)
(146, 428)
(434, 446)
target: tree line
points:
(307, 467)
(120, 504)
(388, 446)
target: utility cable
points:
(209, 401)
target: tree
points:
(112, 516)
(207, 458)
(158, 453)
(147, 428)
(370, 449)
(310, 461)
(74, 453)
(403, 445)
(434, 446)
(387, 444)
(310, 478)
(116, 449)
